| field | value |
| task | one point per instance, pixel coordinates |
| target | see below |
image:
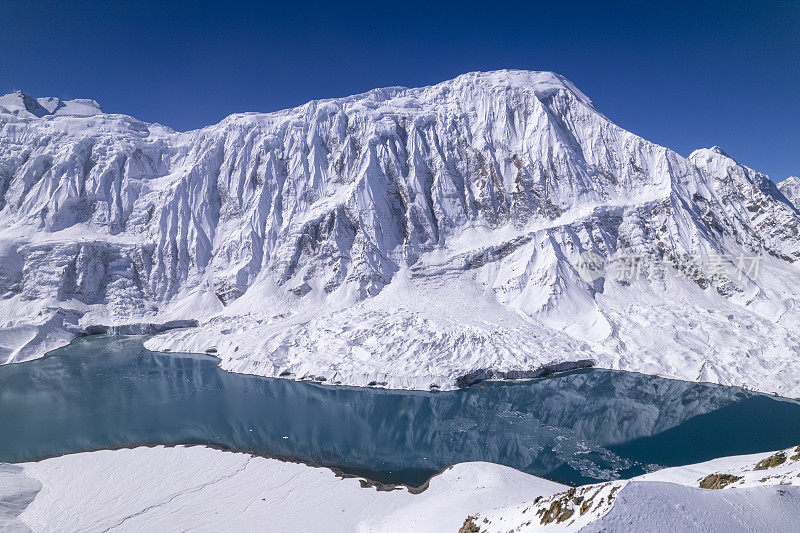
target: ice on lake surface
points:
(583, 426)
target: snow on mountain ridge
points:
(790, 187)
(400, 236)
(540, 82)
(22, 105)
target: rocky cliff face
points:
(401, 236)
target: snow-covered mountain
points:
(790, 187)
(20, 104)
(404, 237)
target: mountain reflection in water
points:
(579, 427)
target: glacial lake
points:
(578, 427)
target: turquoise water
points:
(579, 427)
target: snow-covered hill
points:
(404, 237)
(756, 492)
(202, 489)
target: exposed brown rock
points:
(469, 526)
(771, 461)
(718, 481)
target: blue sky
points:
(683, 75)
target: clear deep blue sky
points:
(682, 75)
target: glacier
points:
(402, 238)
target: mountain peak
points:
(790, 187)
(709, 154)
(542, 82)
(717, 150)
(21, 104)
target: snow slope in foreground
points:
(758, 492)
(172, 489)
(201, 489)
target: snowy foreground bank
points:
(202, 489)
